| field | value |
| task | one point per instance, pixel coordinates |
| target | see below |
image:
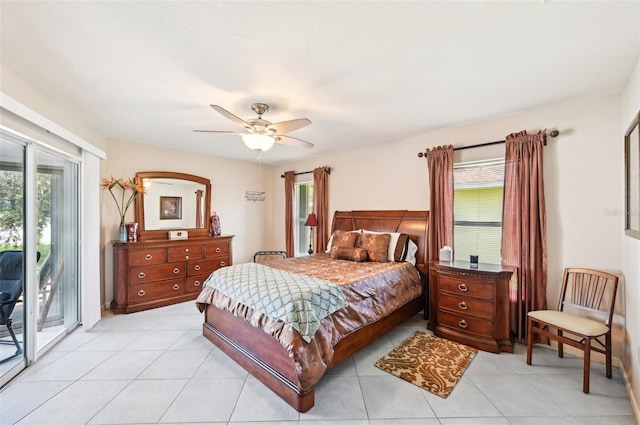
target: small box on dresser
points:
(157, 273)
(470, 305)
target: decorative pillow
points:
(352, 254)
(339, 234)
(400, 251)
(344, 239)
(397, 244)
(376, 245)
(410, 256)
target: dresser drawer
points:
(190, 252)
(196, 267)
(153, 291)
(466, 287)
(195, 283)
(160, 272)
(477, 327)
(467, 306)
(148, 257)
(217, 249)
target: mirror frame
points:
(163, 233)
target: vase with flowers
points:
(124, 192)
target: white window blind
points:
(478, 190)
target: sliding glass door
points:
(38, 224)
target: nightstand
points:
(471, 305)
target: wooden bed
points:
(265, 358)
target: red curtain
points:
(440, 231)
(321, 208)
(524, 225)
(289, 194)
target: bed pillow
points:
(410, 256)
(349, 253)
(340, 235)
(397, 244)
(376, 244)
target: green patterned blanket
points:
(296, 299)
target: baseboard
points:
(632, 398)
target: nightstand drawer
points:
(467, 287)
(477, 327)
(467, 306)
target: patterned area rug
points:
(432, 363)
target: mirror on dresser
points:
(173, 201)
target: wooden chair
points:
(585, 312)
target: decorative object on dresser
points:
(471, 305)
(152, 274)
(122, 186)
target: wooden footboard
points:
(267, 360)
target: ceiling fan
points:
(260, 134)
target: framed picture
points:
(170, 207)
(632, 179)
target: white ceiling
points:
(362, 72)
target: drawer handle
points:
(196, 283)
(218, 249)
(176, 287)
(186, 250)
(462, 324)
(148, 257)
(141, 275)
(176, 270)
(196, 267)
(141, 293)
(463, 287)
(462, 305)
(222, 263)
(186, 257)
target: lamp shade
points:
(258, 142)
(312, 221)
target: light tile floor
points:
(155, 367)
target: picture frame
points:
(632, 178)
(170, 208)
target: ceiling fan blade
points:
(287, 126)
(292, 141)
(216, 131)
(232, 117)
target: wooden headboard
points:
(413, 223)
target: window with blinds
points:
(478, 189)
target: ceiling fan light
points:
(258, 142)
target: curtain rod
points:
(553, 133)
(327, 169)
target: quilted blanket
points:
(296, 299)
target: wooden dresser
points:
(157, 273)
(471, 305)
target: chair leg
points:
(607, 342)
(587, 365)
(560, 347)
(529, 340)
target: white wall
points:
(250, 222)
(583, 179)
(631, 253)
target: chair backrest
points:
(592, 292)
(10, 279)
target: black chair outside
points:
(11, 279)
